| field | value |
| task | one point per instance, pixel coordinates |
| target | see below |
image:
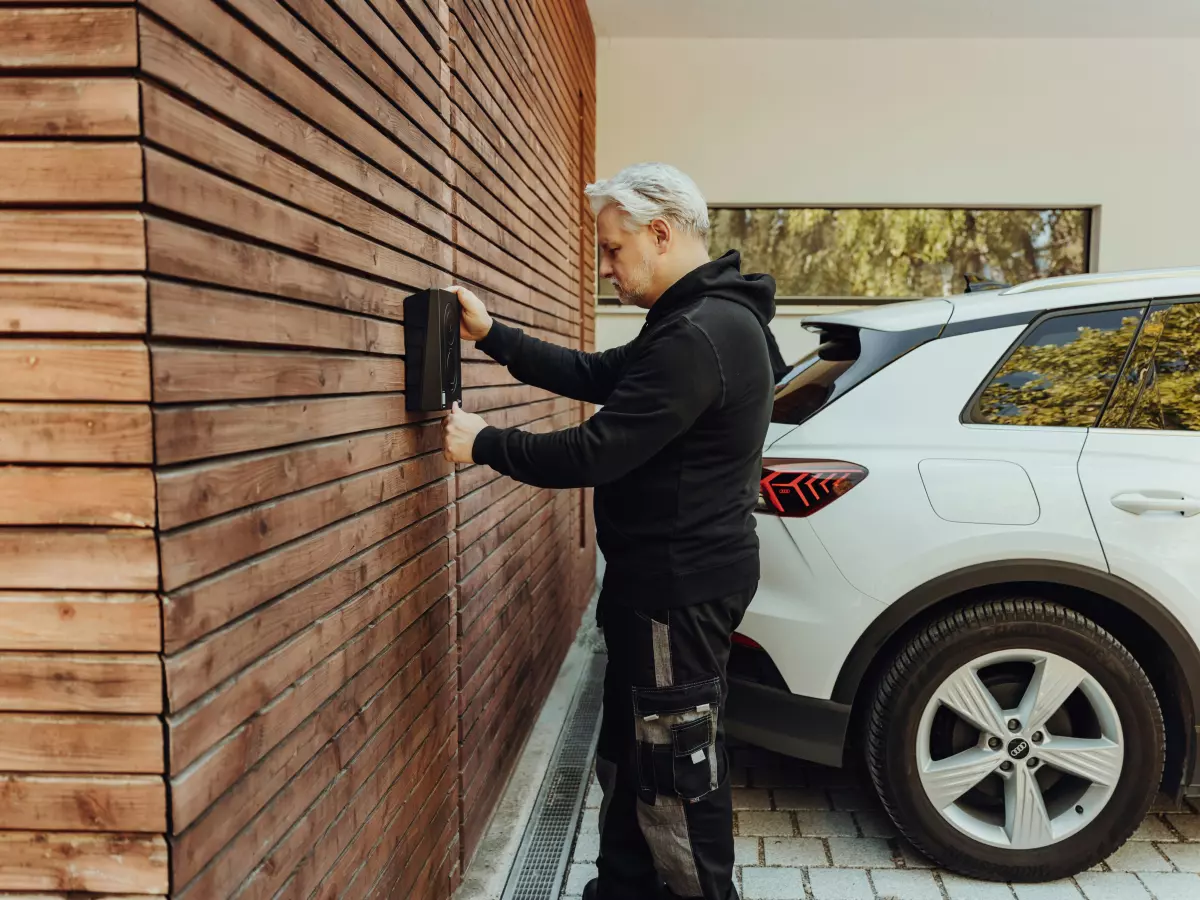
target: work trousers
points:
(666, 821)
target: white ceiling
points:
(799, 19)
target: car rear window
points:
(811, 383)
(846, 357)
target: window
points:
(1062, 372)
(810, 386)
(897, 253)
(845, 359)
(1160, 388)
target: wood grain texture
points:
(125, 803)
(337, 610)
(75, 433)
(204, 549)
(190, 375)
(194, 611)
(228, 317)
(103, 863)
(73, 495)
(48, 742)
(189, 494)
(66, 304)
(78, 173)
(68, 38)
(69, 107)
(56, 241)
(85, 559)
(80, 682)
(200, 432)
(59, 620)
(74, 370)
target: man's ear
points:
(661, 231)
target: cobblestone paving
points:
(810, 833)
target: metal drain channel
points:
(545, 852)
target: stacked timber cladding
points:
(257, 639)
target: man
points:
(675, 457)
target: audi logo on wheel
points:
(1018, 749)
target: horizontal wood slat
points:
(126, 803)
(74, 370)
(43, 495)
(80, 682)
(66, 304)
(68, 38)
(80, 173)
(189, 375)
(187, 311)
(46, 742)
(58, 620)
(108, 863)
(69, 107)
(75, 433)
(78, 559)
(54, 240)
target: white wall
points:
(616, 325)
(1038, 122)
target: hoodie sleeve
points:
(673, 379)
(589, 377)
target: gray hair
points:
(649, 191)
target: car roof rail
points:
(979, 283)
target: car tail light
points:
(799, 488)
(741, 639)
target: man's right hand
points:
(475, 323)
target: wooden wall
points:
(83, 803)
(267, 642)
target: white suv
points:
(981, 566)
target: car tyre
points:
(911, 707)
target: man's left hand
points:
(459, 430)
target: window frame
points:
(968, 414)
(1157, 303)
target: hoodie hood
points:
(722, 279)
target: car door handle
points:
(1157, 501)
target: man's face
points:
(627, 258)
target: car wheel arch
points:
(1134, 616)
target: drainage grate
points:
(545, 852)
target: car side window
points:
(1160, 387)
(1062, 372)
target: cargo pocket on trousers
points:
(676, 731)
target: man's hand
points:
(459, 430)
(475, 323)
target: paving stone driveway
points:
(810, 833)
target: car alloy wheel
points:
(1015, 739)
(1024, 749)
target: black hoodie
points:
(675, 453)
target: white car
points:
(981, 566)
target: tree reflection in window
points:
(896, 253)
(1169, 392)
(1062, 373)
(901, 252)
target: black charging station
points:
(432, 358)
